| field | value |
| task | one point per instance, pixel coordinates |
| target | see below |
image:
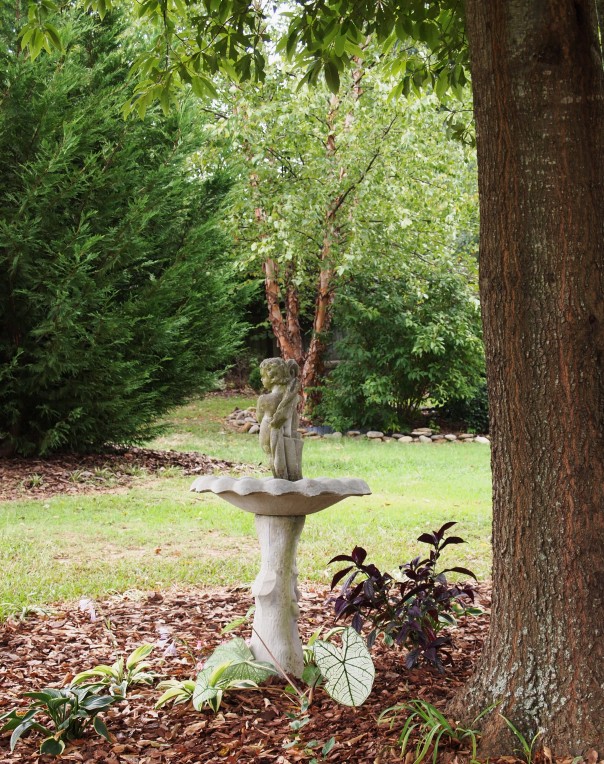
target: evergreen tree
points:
(115, 297)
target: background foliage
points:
(402, 185)
(116, 302)
(333, 187)
(403, 340)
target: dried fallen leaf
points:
(252, 726)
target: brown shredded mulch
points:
(252, 725)
(77, 473)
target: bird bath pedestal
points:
(280, 507)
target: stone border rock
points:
(244, 420)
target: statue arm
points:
(287, 405)
(259, 409)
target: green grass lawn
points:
(157, 533)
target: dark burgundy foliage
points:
(410, 611)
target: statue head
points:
(276, 371)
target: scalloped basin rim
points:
(281, 498)
(278, 487)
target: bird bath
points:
(280, 505)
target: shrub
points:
(410, 611)
(254, 379)
(473, 411)
(116, 301)
(403, 341)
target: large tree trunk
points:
(539, 107)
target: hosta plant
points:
(122, 674)
(231, 666)
(410, 610)
(175, 691)
(67, 714)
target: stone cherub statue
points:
(277, 412)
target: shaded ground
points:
(252, 726)
(76, 473)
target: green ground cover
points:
(157, 533)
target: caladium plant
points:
(410, 610)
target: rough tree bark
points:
(539, 106)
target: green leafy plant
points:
(70, 711)
(176, 691)
(122, 674)
(254, 380)
(239, 621)
(213, 682)
(347, 673)
(430, 726)
(403, 340)
(300, 718)
(33, 481)
(308, 649)
(23, 612)
(325, 749)
(231, 666)
(311, 674)
(473, 411)
(527, 746)
(312, 748)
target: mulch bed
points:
(252, 725)
(76, 473)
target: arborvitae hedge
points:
(115, 298)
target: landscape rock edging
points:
(244, 420)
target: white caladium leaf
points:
(348, 671)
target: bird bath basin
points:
(280, 505)
(281, 498)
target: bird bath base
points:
(280, 507)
